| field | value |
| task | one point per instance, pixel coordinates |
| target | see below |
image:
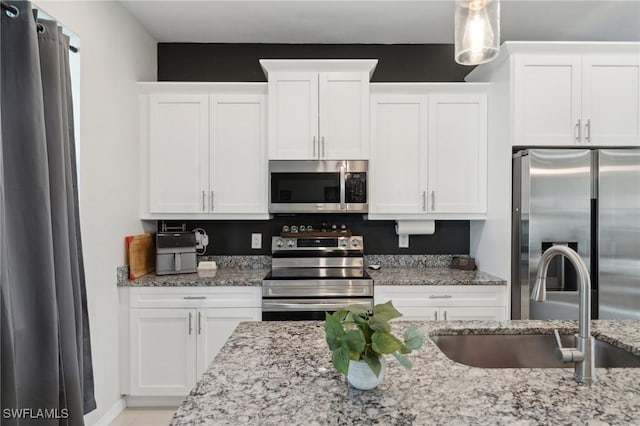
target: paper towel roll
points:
(415, 227)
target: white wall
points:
(115, 52)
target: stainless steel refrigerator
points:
(588, 200)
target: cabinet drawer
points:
(457, 295)
(195, 297)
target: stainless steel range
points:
(314, 272)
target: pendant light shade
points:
(477, 31)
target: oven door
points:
(306, 309)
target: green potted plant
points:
(359, 338)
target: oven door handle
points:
(343, 190)
(310, 306)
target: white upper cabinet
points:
(318, 109)
(203, 151)
(398, 154)
(457, 154)
(178, 153)
(428, 151)
(547, 100)
(611, 99)
(237, 165)
(344, 116)
(293, 116)
(574, 94)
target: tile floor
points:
(144, 417)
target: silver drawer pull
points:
(195, 297)
(440, 296)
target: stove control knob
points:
(355, 243)
(344, 243)
(291, 243)
(279, 242)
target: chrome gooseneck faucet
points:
(582, 355)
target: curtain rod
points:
(14, 12)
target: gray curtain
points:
(46, 353)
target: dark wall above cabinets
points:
(227, 62)
(233, 237)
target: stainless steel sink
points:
(525, 351)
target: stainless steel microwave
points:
(318, 186)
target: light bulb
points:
(477, 31)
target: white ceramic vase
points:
(361, 377)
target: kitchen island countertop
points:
(281, 373)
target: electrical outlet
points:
(256, 241)
(403, 240)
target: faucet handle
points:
(566, 354)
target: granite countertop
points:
(432, 276)
(223, 277)
(275, 373)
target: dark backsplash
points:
(233, 237)
(239, 62)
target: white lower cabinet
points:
(163, 351)
(174, 334)
(443, 303)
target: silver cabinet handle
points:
(203, 205)
(343, 187)
(436, 315)
(324, 148)
(440, 296)
(577, 131)
(211, 200)
(314, 148)
(445, 315)
(190, 328)
(587, 131)
(433, 200)
(199, 322)
(194, 297)
(424, 201)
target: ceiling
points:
(366, 21)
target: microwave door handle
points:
(342, 188)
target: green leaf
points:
(359, 320)
(340, 314)
(404, 350)
(334, 331)
(378, 324)
(403, 360)
(413, 337)
(374, 364)
(357, 309)
(386, 311)
(354, 342)
(340, 360)
(384, 343)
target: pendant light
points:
(477, 31)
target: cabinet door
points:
(547, 100)
(418, 313)
(214, 326)
(293, 116)
(457, 154)
(178, 153)
(398, 154)
(163, 351)
(238, 164)
(486, 313)
(344, 116)
(611, 100)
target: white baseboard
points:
(110, 415)
(155, 401)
